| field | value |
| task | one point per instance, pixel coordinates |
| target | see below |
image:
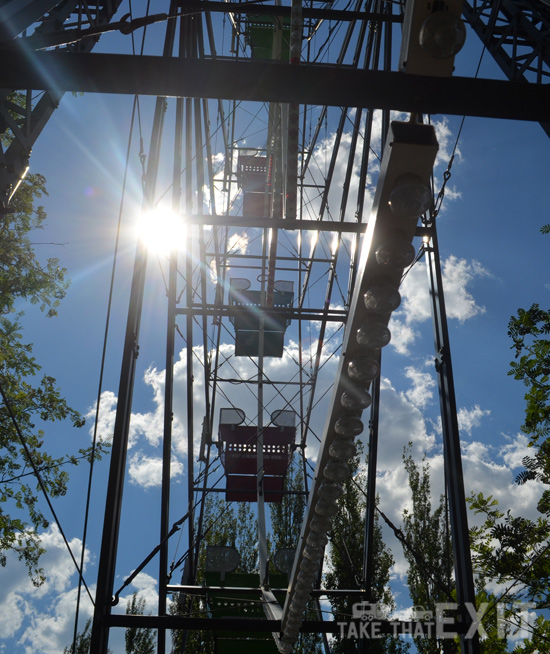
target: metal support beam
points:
(452, 458)
(16, 16)
(275, 82)
(261, 222)
(282, 313)
(515, 32)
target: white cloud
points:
(106, 418)
(457, 274)
(516, 450)
(423, 383)
(146, 588)
(13, 609)
(146, 471)
(468, 419)
(42, 618)
(415, 308)
(403, 335)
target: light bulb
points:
(317, 539)
(302, 585)
(374, 335)
(330, 490)
(343, 450)
(382, 298)
(326, 506)
(292, 632)
(300, 596)
(293, 621)
(313, 553)
(363, 369)
(321, 523)
(308, 578)
(348, 426)
(355, 399)
(308, 565)
(336, 471)
(396, 252)
(442, 35)
(410, 196)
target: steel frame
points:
(316, 84)
(516, 35)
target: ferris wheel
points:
(301, 204)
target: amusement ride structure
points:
(280, 252)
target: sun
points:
(162, 230)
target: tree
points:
(346, 564)
(428, 550)
(139, 640)
(83, 640)
(530, 334)
(286, 524)
(28, 400)
(429, 553)
(513, 550)
(287, 516)
(221, 526)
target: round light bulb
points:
(363, 369)
(321, 523)
(356, 400)
(410, 196)
(336, 471)
(308, 579)
(326, 506)
(308, 565)
(313, 553)
(330, 490)
(343, 450)
(348, 426)
(382, 298)
(317, 539)
(442, 35)
(292, 632)
(374, 335)
(303, 584)
(300, 596)
(395, 253)
(294, 621)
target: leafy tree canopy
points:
(513, 551)
(530, 334)
(30, 400)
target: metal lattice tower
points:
(270, 187)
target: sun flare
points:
(162, 230)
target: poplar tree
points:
(138, 640)
(428, 551)
(346, 565)
(286, 524)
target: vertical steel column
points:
(451, 447)
(115, 487)
(113, 505)
(188, 267)
(368, 547)
(260, 485)
(169, 384)
(368, 553)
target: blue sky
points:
(494, 259)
